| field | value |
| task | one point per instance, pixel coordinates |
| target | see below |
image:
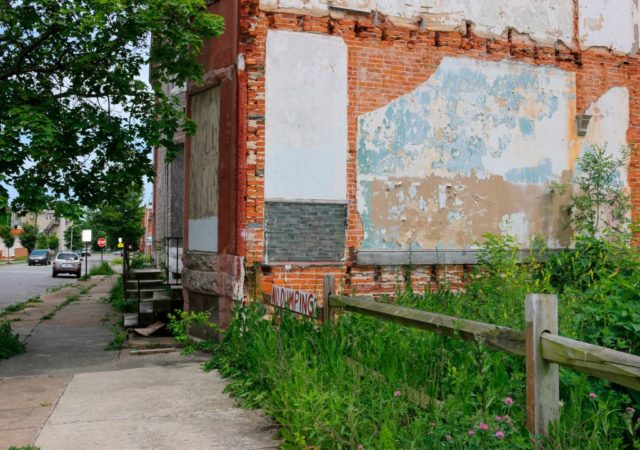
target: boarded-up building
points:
(353, 137)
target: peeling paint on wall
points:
(470, 151)
(545, 21)
(609, 23)
(473, 150)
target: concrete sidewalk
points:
(68, 392)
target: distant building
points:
(146, 241)
(45, 221)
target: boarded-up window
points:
(203, 169)
(177, 194)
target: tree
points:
(42, 241)
(29, 237)
(53, 242)
(76, 122)
(8, 238)
(601, 203)
(121, 220)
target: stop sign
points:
(102, 242)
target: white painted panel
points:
(306, 117)
(545, 21)
(609, 124)
(203, 234)
(609, 23)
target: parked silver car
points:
(67, 262)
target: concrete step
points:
(146, 274)
(144, 284)
(148, 293)
(130, 320)
(155, 306)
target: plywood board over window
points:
(203, 169)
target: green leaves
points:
(601, 204)
(8, 238)
(76, 123)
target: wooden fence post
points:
(541, 315)
(328, 288)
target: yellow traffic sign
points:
(120, 245)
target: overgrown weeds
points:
(297, 371)
(102, 269)
(117, 300)
(10, 343)
(119, 339)
(181, 322)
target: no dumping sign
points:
(297, 301)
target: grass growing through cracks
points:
(67, 302)
(17, 307)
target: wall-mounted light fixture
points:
(582, 123)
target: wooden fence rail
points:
(540, 344)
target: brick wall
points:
(385, 62)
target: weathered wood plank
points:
(501, 338)
(543, 377)
(328, 287)
(416, 397)
(618, 367)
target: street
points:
(18, 282)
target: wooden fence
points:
(540, 344)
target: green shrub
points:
(182, 321)
(137, 262)
(10, 344)
(103, 269)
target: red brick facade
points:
(397, 60)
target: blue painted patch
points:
(526, 127)
(531, 175)
(448, 124)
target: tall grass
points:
(298, 371)
(102, 269)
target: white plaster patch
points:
(516, 225)
(609, 23)
(306, 117)
(203, 234)
(609, 124)
(545, 21)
